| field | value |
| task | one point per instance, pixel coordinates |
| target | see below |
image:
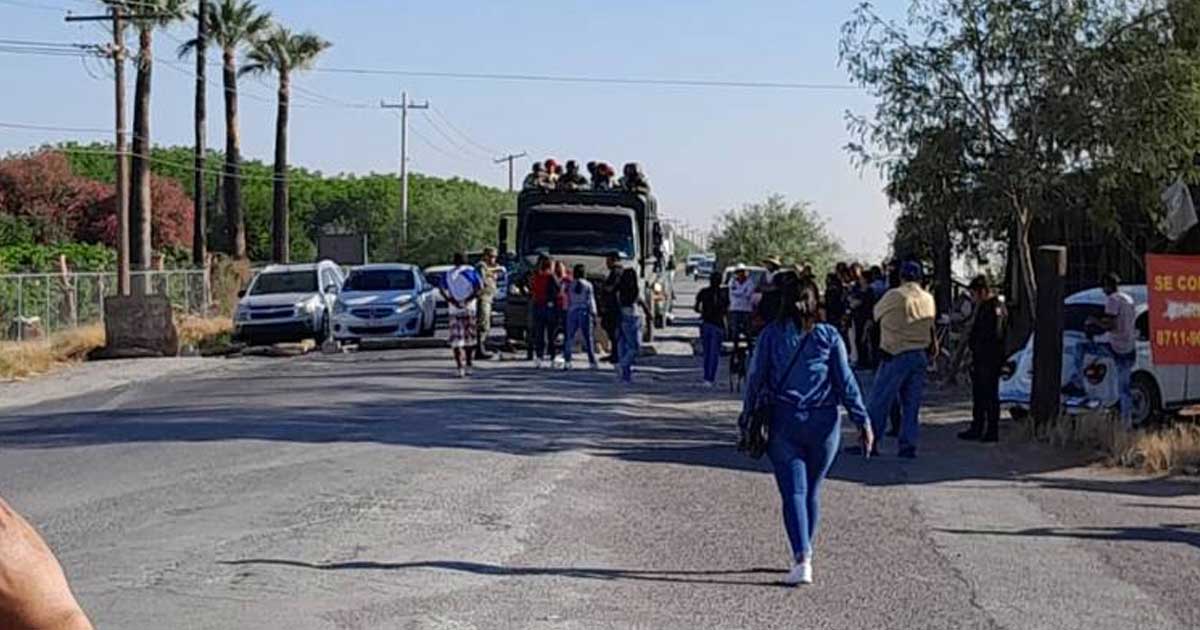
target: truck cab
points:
(582, 227)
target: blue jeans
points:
(903, 377)
(579, 320)
(630, 344)
(545, 327)
(802, 447)
(711, 338)
(1124, 364)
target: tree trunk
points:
(280, 236)
(140, 209)
(199, 194)
(943, 273)
(235, 221)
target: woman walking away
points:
(543, 289)
(633, 307)
(461, 289)
(803, 367)
(581, 316)
(562, 280)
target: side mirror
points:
(241, 293)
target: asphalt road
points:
(371, 490)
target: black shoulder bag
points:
(755, 424)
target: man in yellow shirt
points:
(906, 316)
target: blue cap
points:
(911, 270)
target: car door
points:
(1172, 380)
(424, 297)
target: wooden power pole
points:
(1051, 267)
(510, 159)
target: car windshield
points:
(285, 282)
(579, 233)
(435, 277)
(380, 280)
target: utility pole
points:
(199, 207)
(116, 13)
(404, 106)
(510, 159)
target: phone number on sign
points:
(1177, 338)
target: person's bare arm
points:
(34, 594)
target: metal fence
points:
(37, 305)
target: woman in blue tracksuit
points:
(805, 429)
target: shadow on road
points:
(511, 408)
(1180, 534)
(475, 568)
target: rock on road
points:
(371, 490)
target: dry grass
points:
(1171, 449)
(201, 332)
(26, 359)
(23, 359)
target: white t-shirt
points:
(1123, 337)
(741, 295)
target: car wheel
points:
(1147, 401)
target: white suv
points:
(1156, 388)
(288, 303)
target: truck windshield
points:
(579, 233)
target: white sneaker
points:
(558, 362)
(538, 364)
(594, 365)
(568, 367)
(710, 385)
(468, 370)
(460, 373)
(801, 573)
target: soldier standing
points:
(489, 274)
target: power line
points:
(548, 78)
(486, 149)
(464, 150)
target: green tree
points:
(233, 25)
(282, 52)
(1045, 90)
(775, 227)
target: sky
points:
(705, 150)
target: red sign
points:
(1173, 283)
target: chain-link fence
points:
(37, 305)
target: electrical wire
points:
(445, 136)
(490, 151)
(630, 81)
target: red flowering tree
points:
(40, 190)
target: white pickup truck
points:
(1156, 388)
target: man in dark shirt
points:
(610, 317)
(986, 341)
(713, 304)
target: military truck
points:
(582, 227)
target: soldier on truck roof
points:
(634, 180)
(572, 179)
(536, 179)
(602, 179)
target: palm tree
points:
(140, 210)
(282, 52)
(233, 24)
